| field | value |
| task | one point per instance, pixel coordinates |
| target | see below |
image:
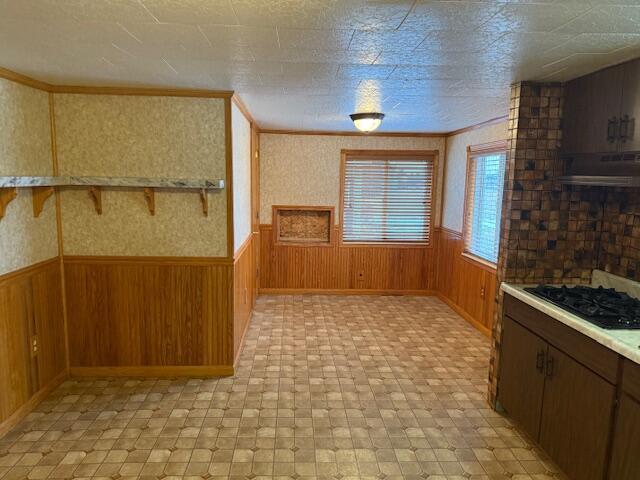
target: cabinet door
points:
(625, 461)
(521, 381)
(576, 417)
(590, 103)
(629, 133)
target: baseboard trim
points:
(244, 335)
(154, 371)
(31, 404)
(456, 308)
(343, 291)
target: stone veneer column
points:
(549, 232)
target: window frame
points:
(429, 155)
(496, 147)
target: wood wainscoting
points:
(346, 269)
(30, 310)
(244, 288)
(467, 286)
(133, 315)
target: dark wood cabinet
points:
(522, 375)
(591, 112)
(630, 109)
(600, 111)
(625, 460)
(576, 417)
(561, 387)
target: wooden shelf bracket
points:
(96, 195)
(7, 195)
(39, 196)
(204, 198)
(150, 197)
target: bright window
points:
(387, 197)
(485, 183)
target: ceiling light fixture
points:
(367, 122)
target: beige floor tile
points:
(326, 388)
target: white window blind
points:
(387, 200)
(485, 184)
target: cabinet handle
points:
(624, 128)
(550, 367)
(612, 127)
(627, 127)
(540, 361)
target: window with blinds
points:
(387, 199)
(485, 184)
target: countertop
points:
(624, 342)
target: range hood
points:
(607, 169)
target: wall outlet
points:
(34, 345)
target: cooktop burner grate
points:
(604, 307)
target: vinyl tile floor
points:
(327, 387)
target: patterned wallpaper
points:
(25, 149)
(456, 170)
(241, 135)
(150, 137)
(305, 169)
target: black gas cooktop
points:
(604, 307)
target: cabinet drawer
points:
(582, 348)
(631, 379)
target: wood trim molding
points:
(60, 236)
(33, 402)
(228, 135)
(132, 260)
(487, 123)
(479, 262)
(141, 91)
(484, 330)
(27, 270)
(344, 291)
(24, 80)
(235, 98)
(244, 336)
(246, 244)
(352, 134)
(111, 90)
(154, 371)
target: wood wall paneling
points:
(30, 309)
(244, 291)
(467, 286)
(342, 267)
(126, 314)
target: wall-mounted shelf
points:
(130, 182)
(43, 188)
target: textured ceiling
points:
(307, 64)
